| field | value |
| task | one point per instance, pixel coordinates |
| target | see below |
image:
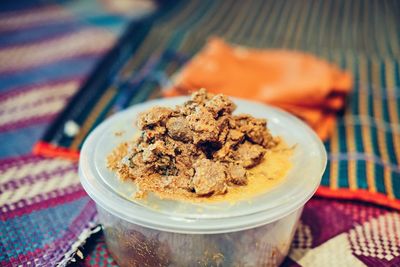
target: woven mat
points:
(46, 55)
(364, 150)
(46, 51)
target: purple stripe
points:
(45, 41)
(26, 27)
(43, 176)
(13, 92)
(39, 102)
(43, 10)
(38, 33)
(52, 61)
(41, 201)
(66, 69)
(19, 161)
(27, 122)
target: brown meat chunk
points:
(219, 105)
(232, 140)
(223, 154)
(235, 135)
(159, 157)
(155, 132)
(209, 177)
(200, 96)
(182, 181)
(237, 174)
(153, 116)
(186, 154)
(223, 127)
(249, 155)
(132, 167)
(202, 123)
(255, 129)
(178, 128)
(156, 150)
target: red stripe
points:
(363, 195)
(49, 150)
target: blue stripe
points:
(38, 33)
(109, 22)
(396, 184)
(326, 177)
(20, 5)
(20, 141)
(62, 69)
(46, 226)
(92, 13)
(379, 179)
(362, 182)
(343, 179)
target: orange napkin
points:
(300, 83)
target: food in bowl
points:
(164, 231)
(200, 150)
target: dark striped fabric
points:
(362, 36)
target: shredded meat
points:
(198, 147)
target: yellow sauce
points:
(262, 178)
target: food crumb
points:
(218, 258)
(140, 194)
(119, 133)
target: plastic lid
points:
(103, 186)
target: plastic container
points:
(155, 232)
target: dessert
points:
(196, 150)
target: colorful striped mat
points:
(45, 56)
(362, 36)
(47, 49)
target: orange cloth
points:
(302, 84)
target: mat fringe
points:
(74, 251)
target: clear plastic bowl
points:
(155, 232)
